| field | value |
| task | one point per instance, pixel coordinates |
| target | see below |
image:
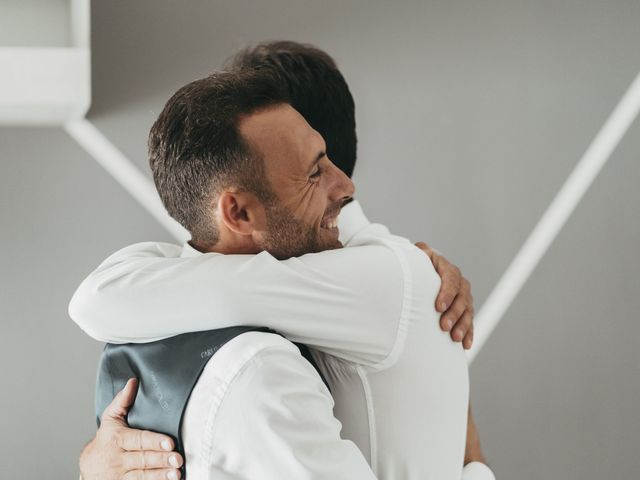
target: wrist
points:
(474, 455)
(475, 459)
(478, 470)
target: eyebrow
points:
(319, 157)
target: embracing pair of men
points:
(336, 362)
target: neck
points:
(239, 246)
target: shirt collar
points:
(188, 251)
(351, 221)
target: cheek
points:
(308, 206)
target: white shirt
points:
(261, 412)
(400, 384)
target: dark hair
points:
(316, 89)
(195, 148)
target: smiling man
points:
(301, 215)
(400, 384)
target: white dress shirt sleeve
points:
(260, 410)
(477, 471)
(346, 302)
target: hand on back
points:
(121, 453)
(454, 300)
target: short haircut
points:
(196, 150)
(316, 89)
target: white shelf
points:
(45, 84)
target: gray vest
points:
(167, 371)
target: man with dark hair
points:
(292, 211)
(217, 155)
(316, 89)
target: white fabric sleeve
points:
(477, 471)
(274, 421)
(345, 302)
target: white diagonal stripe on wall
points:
(124, 172)
(556, 215)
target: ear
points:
(241, 212)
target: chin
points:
(336, 244)
(332, 245)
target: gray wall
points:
(470, 117)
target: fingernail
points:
(165, 444)
(172, 475)
(173, 461)
(443, 306)
(448, 324)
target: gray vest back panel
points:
(167, 371)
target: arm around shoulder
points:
(337, 301)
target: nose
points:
(342, 188)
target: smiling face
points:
(310, 190)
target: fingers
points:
(451, 284)
(119, 406)
(425, 248)
(149, 460)
(454, 313)
(456, 301)
(450, 276)
(127, 395)
(158, 474)
(467, 342)
(131, 439)
(461, 328)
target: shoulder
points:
(256, 391)
(252, 369)
(144, 250)
(245, 351)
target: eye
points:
(316, 174)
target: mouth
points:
(329, 222)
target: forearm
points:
(339, 301)
(475, 464)
(473, 450)
(326, 300)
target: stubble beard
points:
(287, 236)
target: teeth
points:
(331, 224)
